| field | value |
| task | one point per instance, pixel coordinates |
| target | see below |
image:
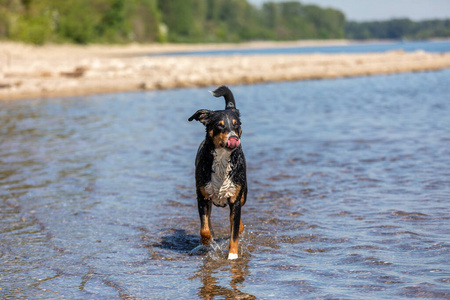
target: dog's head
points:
(223, 127)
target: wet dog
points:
(220, 170)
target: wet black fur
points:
(204, 159)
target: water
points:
(349, 185)
(407, 46)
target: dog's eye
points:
(220, 126)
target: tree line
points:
(398, 29)
(192, 21)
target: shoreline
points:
(50, 71)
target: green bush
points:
(35, 30)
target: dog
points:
(220, 168)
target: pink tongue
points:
(232, 143)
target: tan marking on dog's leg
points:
(236, 194)
(205, 221)
(233, 250)
(203, 192)
(205, 231)
(243, 199)
(241, 227)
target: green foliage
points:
(184, 19)
(123, 21)
(144, 21)
(33, 30)
(398, 29)
(293, 20)
(75, 20)
(80, 21)
(22, 22)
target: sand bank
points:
(67, 70)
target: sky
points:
(378, 10)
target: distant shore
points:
(28, 72)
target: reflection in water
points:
(211, 286)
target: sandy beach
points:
(69, 70)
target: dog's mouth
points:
(232, 143)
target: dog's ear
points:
(202, 115)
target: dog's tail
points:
(227, 94)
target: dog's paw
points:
(232, 256)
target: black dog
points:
(220, 171)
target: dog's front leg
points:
(204, 210)
(235, 222)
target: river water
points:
(349, 187)
(354, 47)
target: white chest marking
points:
(220, 188)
